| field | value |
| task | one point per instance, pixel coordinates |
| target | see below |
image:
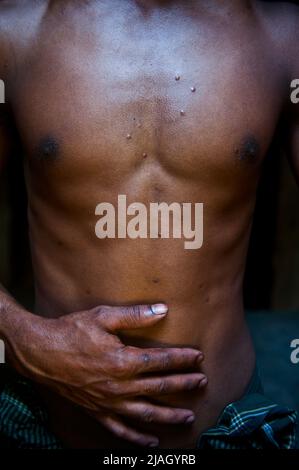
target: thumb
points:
(133, 316)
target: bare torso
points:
(94, 75)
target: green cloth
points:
(23, 417)
(254, 422)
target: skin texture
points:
(161, 101)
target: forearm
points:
(15, 327)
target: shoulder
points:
(19, 20)
(280, 24)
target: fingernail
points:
(203, 382)
(159, 309)
(154, 444)
(190, 419)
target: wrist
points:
(18, 329)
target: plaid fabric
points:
(23, 418)
(252, 423)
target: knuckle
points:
(133, 313)
(166, 360)
(145, 358)
(147, 415)
(111, 389)
(120, 365)
(162, 386)
(117, 371)
(104, 314)
(136, 361)
(136, 311)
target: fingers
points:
(147, 412)
(158, 385)
(136, 316)
(121, 430)
(139, 361)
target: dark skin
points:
(81, 78)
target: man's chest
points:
(188, 102)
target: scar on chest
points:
(48, 149)
(248, 149)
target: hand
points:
(80, 357)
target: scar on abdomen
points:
(249, 149)
(47, 149)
